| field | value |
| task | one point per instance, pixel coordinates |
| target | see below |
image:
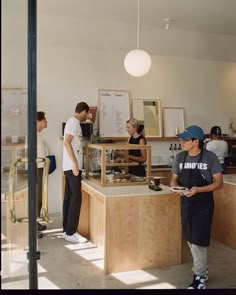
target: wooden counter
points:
(135, 227)
(224, 219)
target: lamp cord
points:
(138, 27)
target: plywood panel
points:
(224, 219)
(122, 232)
(83, 227)
(96, 221)
(142, 232)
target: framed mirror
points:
(148, 113)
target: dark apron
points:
(138, 170)
(196, 211)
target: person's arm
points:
(216, 185)
(67, 144)
(41, 152)
(226, 150)
(143, 157)
(174, 180)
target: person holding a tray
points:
(200, 173)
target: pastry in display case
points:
(108, 164)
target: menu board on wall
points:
(114, 111)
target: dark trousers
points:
(72, 202)
(39, 190)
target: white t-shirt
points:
(42, 150)
(73, 127)
(219, 147)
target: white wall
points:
(206, 89)
(70, 71)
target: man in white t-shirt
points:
(42, 152)
(72, 167)
(217, 145)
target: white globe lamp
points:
(137, 62)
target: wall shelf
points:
(148, 138)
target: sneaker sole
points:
(71, 241)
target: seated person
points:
(139, 155)
(217, 145)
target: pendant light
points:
(137, 62)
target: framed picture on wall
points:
(173, 120)
(114, 111)
(148, 113)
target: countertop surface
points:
(132, 190)
(140, 190)
(229, 178)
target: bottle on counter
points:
(171, 160)
(176, 129)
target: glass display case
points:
(109, 164)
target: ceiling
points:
(206, 16)
(201, 29)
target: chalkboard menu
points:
(114, 111)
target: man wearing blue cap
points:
(200, 171)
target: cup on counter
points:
(156, 180)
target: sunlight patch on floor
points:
(43, 283)
(21, 284)
(8, 246)
(134, 277)
(163, 285)
(54, 233)
(98, 263)
(56, 230)
(79, 246)
(16, 264)
(90, 254)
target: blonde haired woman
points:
(139, 155)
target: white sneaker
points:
(64, 235)
(82, 239)
(73, 238)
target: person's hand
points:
(75, 169)
(193, 191)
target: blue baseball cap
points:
(192, 132)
